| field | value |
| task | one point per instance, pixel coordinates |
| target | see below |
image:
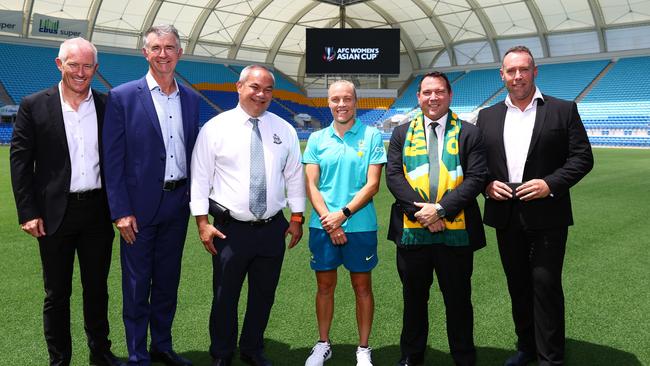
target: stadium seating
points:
(616, 111)
(21, 63)
(620, 101)
(119, 69)
(621, 141)
(564, 81)
(6, 130)
(202, 72)
(474, 88)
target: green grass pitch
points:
(606, 281)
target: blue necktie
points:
(257, 191)
(434, 164)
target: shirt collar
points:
(442, 121)
(537, 96)
(152, 84)
(246, 116)
(353, 130)
(65, 105)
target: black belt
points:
(259, 222)
(170, 185)
(85, 195)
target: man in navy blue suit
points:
(150, 128)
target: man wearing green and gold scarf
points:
(436, 168)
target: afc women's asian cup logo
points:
(330, 54)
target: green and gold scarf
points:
(415, 161)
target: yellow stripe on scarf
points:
(415, 163)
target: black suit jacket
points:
(40, 159)
(472, 159)
(559, 153)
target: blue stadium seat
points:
(20, 63)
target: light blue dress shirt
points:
(170, 117)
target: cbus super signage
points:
(47, 26)
(352, 51)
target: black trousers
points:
(453, 267)
(249, 251)
(87, 230)
(532, 261)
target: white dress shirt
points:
(83, 146)
(440, 131)
(170, 117)
(221, 165)
(517, 132)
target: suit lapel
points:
(185, 111)
(56, 114)
(98, 100)
(99, 110)
(540, 118)
(501, 121)
(144, 94)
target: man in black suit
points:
(58, 186)
(538, 144)
(435, 220)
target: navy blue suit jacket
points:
(134, 150)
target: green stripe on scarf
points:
(415, 162)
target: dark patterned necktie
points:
(434, 164)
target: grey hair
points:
(243, 75)
(161, 30)
(344, 82)
(66, 46)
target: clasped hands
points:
(530, 190)
(428, 217)
(331, 223)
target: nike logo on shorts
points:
(369, 258)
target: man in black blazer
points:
(58, 187)
(452, 262)
(538, 144)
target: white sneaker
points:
(363, 356)
(321, 352)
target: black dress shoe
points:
(104, 359)
(411, 360)
(255, 360)
(520, 359)
(222, 362)
(169, 358)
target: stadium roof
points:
(433, 33)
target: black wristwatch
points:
(346, 211)
(440, 210)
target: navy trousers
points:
(256, 252)
(151, 270)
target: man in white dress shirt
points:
(58, 184)
(247, 160)
(537, 149)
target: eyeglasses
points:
(157, 49)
